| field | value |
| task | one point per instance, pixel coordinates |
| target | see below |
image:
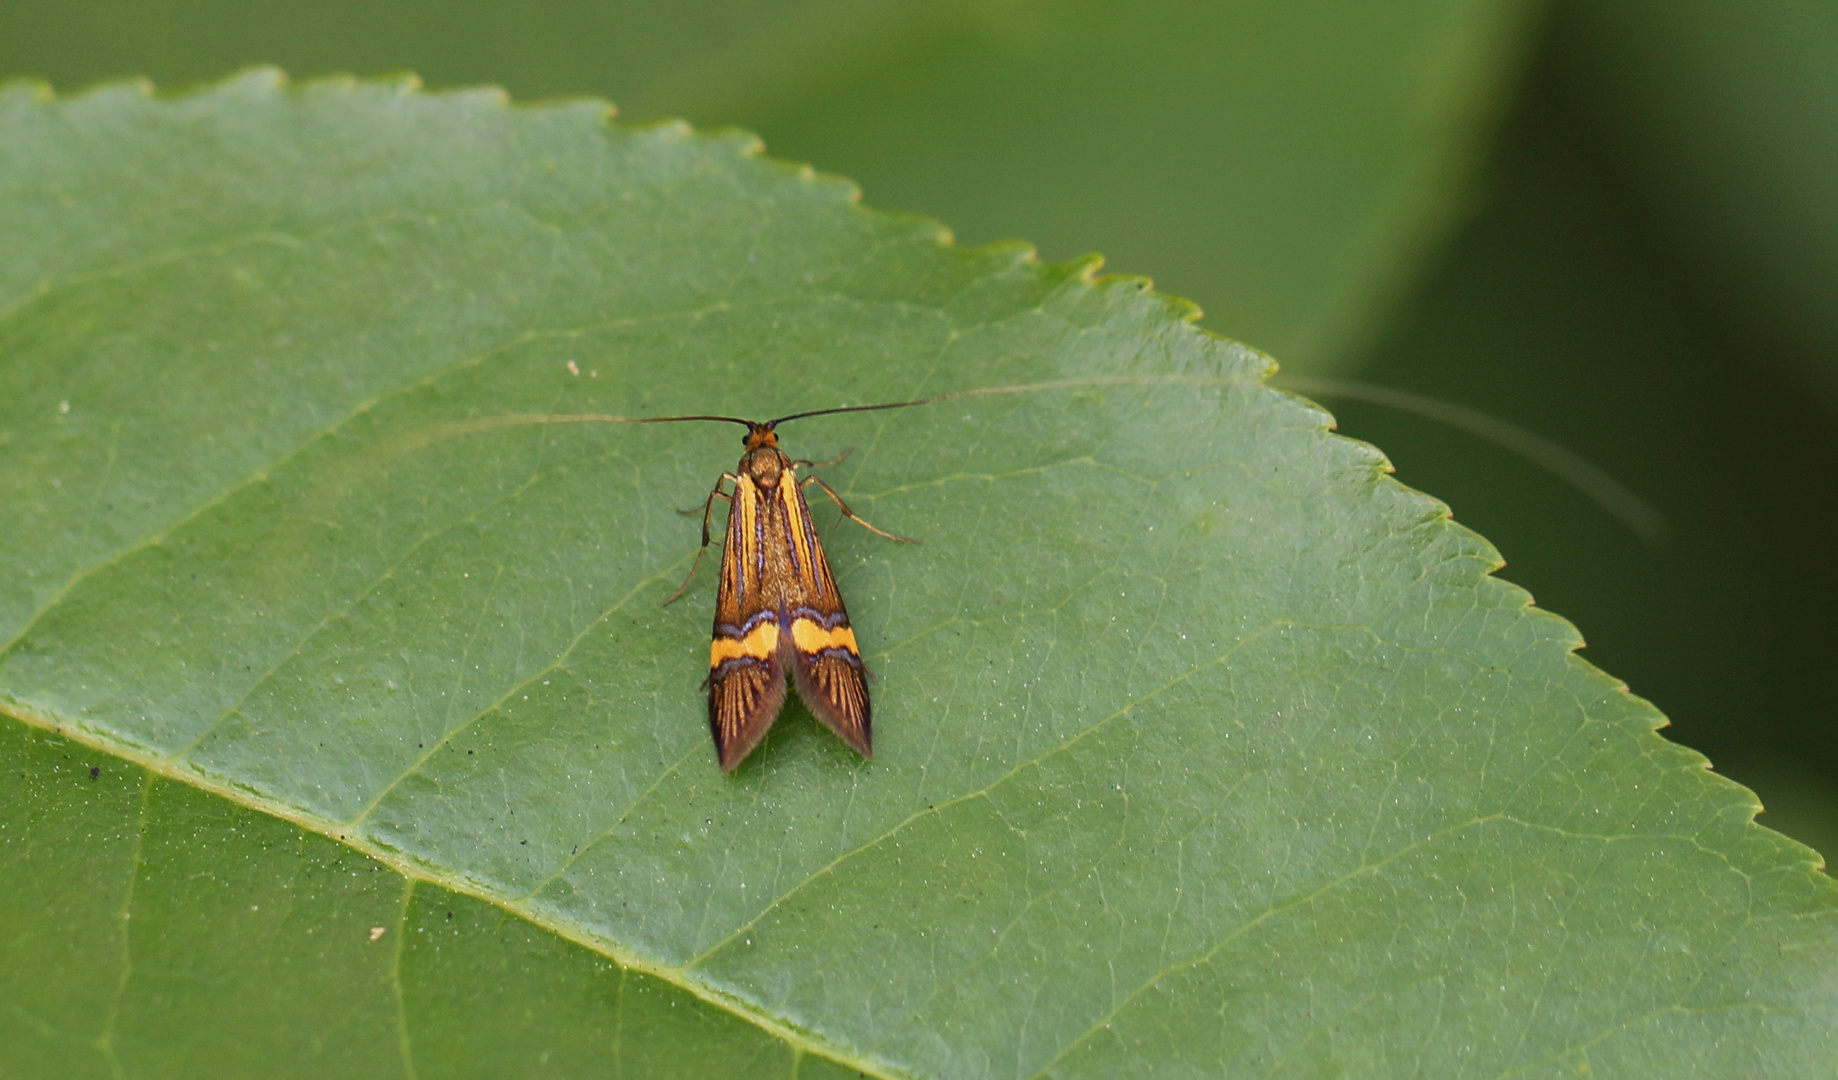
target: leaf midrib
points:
(413, 871)
(172, 768)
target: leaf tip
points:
(1085, 267)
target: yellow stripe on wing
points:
(762, 642)
(811, 638)
(746, 500)
(798, 524)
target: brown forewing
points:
(746, 675)
(824, 658)
(777, 607)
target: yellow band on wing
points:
(798, 527)
(810, 637)
(761, 643)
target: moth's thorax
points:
(764, 465)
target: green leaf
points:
(1202, 746)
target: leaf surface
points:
(1202, 747)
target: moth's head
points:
(760, 436)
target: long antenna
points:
(434, 433)
(669, 419)
(1620, 502)
(851, 408)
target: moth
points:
(778, 611)
(778, 614)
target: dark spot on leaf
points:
(95, 772)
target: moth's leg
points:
(837, 460)
(708, 507)
(848, 513)
(708, 510)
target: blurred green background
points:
(1613, 223)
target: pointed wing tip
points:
(860, 746)
(853, 737)
(733, 754)
(731, 762)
